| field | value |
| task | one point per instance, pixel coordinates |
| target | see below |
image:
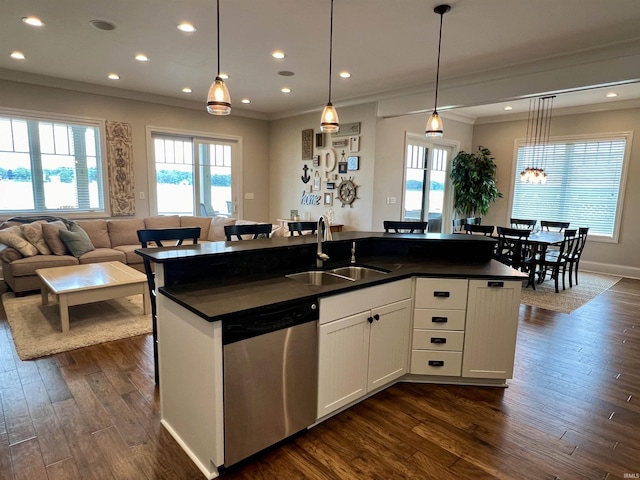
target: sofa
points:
(27, 246)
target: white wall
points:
(254, 133)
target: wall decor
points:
(353, 163)
(342, 167)
(316, 181)
(343, 142)
(307, 144)
(320, 140)
(331, 185)
(310, 198)
(348, 129)
(305, 177)
(347, 192)
(122, 195)
(354, 144)
(328, 199)
(316, 160)
(294, 215)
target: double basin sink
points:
(335, 276)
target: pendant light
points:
(434, 124)
(218, 99)
(329, 121)
(537, 142)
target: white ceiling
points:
(389, 46)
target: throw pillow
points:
(51, 233)
(33, 233)
(76, 240)
(216, 231)
(13, 237)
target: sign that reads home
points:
(310, 199)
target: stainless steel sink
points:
(318, 277)
(358, 273)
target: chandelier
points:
(538, 128)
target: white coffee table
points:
(93, 282)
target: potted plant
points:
(474, 182)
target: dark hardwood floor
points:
(572, 411)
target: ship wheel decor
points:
(347, 191)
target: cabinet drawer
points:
(427, 362)
(441, 293)
(431, 318)
(438, 340)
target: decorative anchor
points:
(305, 178)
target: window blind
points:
(583, 184)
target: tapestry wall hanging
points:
(120, 169)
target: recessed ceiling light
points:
(278, 54)
(345, 74)
(187, 27)
(223, 76)
(245, 100)
(612, 94)
(142, 57)
(114, 76)
(508, 107)
(187, 90)
(33, 21)
(102, 25)
(17, 55)
(285, 90)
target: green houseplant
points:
(474, 182)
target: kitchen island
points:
(442, 312)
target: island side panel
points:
(191, 383)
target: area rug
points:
(566, 301)
(37, 332)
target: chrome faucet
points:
(324, 234)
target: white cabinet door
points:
(389, 343)
(343, 362)
(491, 328)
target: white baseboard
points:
(610, 269)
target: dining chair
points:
(523, 223)
(551, 226)
(512, 248)
(486, 230)
(257, 230)
(458, 225)
(553, 261)
(474, 220)
(392, 226)
(299, 227)
(157, 236)
(574, 257)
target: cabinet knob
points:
(376, 317)
(370, 319)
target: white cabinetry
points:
(438, 326)
(363, 342)
(491, 329)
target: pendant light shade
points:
(434, 124)
(329, 121)
(218, 99)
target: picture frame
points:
(331, 185)
(316, 161)
(307, 144)
(342, 167)
(328, 198)
(353, 163)
(340, 143)
(354, 144)
(320, 140)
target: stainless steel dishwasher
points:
(270, 377)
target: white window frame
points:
(626, 135)
(98, 123)
(236, 165)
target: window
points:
(426, 173)
(194, 176)
(48, 166)
(584, 184)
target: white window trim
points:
(627, 135)
(98, 123)
(236, 178)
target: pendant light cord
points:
(330, 49)
(218, 28)
(435, 107)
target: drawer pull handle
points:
(438, 340)
(436, 363)
(439, 319)
(495, 284)
(441, 294)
